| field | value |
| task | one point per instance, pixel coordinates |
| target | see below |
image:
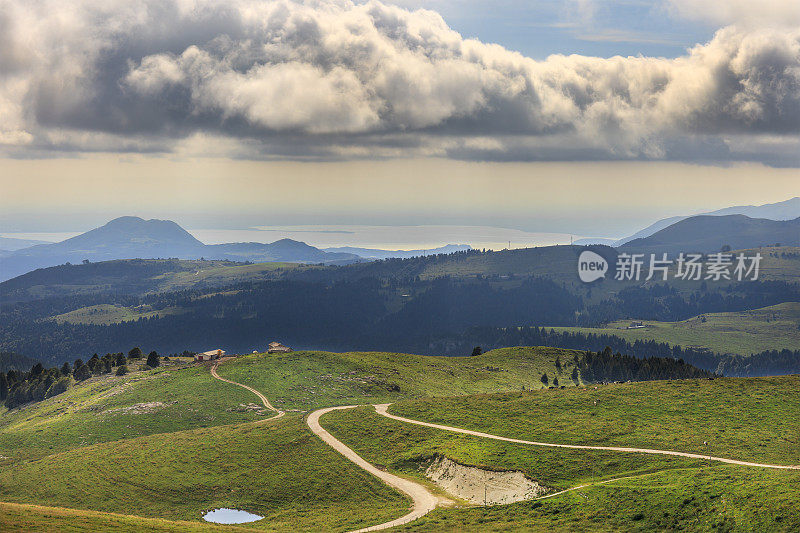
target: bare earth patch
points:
(483, 487)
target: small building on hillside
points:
(209, 355)
(276, 347)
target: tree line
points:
(18, 387)
(767, 363)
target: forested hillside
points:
(427, 305)
(14, 361)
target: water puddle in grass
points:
(230, 516)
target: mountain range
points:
(132, 237)
(786, 210)
(373, 253)
(9, 244)
(135, 238)
(710, 233)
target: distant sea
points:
(388, 237)
(362, 236)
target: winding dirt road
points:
(424, 500)
(381, 409)
(264, 400)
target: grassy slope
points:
(309, 380)
(23, 518)
(105, 314)
(78, 417)
(776, 267)
(278, 469)
(743, 333)
(406, 448)
(709, 499)
(742, 418)
(275, 468)
(756, 419)
(299, 380)
(218, 274)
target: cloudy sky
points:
(331, 111)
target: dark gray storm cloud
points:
(336, 79)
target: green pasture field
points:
(743, 333)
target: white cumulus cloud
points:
(333, 78)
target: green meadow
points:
(743, 332)
(310, 380)
(180, 397)
(695, 499)
(751, 419)
(105, 314)
(275, 468)
(153, 450)
(23, 518)
(109, 408)
(622, 492)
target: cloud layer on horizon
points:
(337, 79)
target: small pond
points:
(230, 516)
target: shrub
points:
(122, 370)
(153, 360)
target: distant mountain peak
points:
(785, 210)
(129, 228)
(132, 237)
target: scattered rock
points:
(137, 409)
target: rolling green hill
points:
(275, 468)
(754, 419)
(310, 380)
(133, 276)
(740, 418)
(178, 397)
(168, 444)
(105, 314)
(109, 408)
(742, 332)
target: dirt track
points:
(381, 409)
(264, 400)
(424, 500)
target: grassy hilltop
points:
(166, 400)
(168, 444)
(310, 380)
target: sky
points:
(585, 117)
